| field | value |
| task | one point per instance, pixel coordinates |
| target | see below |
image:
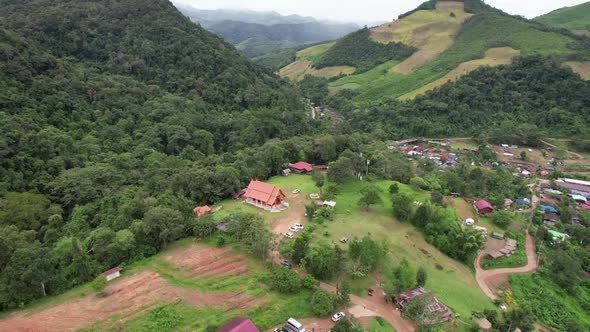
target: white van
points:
(294, 323)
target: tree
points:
(419, 183)
(502, 218)
(309, 282)
(344, 325)
(300, 247)
(99, 284)
(421, 277)
(251, 231)
(322, 303)
(318, 178)
(24, 210)
(322, 262)
(162, 225)
(400, 279)
(370, 195)
(331, 191)
(205, 226)
(343, 294)
(437, 198)
(367, 252)
(341, 171)
(394, 188)
(284, 280)
(524, 156)
(403, 206)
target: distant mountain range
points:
(262, 33)
(575, 18)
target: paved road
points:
(376, 304)
(482, 275)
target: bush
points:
(99, 284)
(322, 303)
(309, 282)
(501, 218)
(284, 280)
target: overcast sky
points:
(364, 11)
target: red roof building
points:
(264, 195)
(301, 167)
(239, 324)
(201, 210)
(483, 207)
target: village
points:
(296, 206)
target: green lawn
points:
(453, 282)
(380, 325)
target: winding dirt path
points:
(483, 276)
(579, 156)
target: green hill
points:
(451, 38)
(111, 113)
(575, 18)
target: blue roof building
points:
(548, 208)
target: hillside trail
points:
(376, 306)
(579, 156)
(482, 276)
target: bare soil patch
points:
(133, 295)
(298, 69)
(582, 68)
(126, 297)
(205, 261)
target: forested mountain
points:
(575, 18)
(276, 37)
(521, 102)
(117, 118)
(207, 17)
(262, 33)
(444, 40)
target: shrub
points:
(99, 284)
(322, 303)
(284, 280)
(309, 282)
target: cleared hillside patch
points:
(493, 57)
(314, 51)
(298, 69)
(582, 68)
(431, 31)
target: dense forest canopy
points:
(358, 50)
(117, 118)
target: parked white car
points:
(294, 229)
(296, 191)
(289, 235)
(338, 316)
(300, 226)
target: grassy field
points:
(478, 34)
(493, 57)
(380, 325)
(575, 18)
(364, 79)
(312, 52)
(452, 282)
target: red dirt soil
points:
(205, 261)
(133, 295)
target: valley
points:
(171, 168)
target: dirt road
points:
(483, 277)
(579, 156)
(376, 306)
